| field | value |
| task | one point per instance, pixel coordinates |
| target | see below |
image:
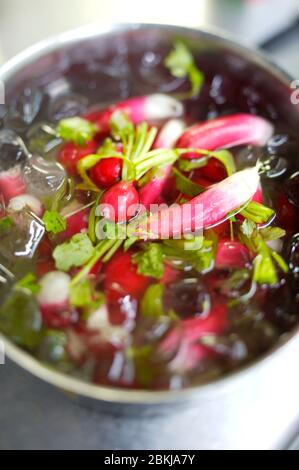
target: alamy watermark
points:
(178, 221)
(295, 94)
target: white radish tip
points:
(264, 130)
(54, 288)
(19, 203)
(159, 106)
(250, 179)
(170, 133)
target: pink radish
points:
(53, 300)
(120, 203)
(232, 254)
(141, 108)
(167, 137)
(209, 208)
(19, 203)
(224, 132)
(228, 131)
(184, 338)
(258, 196)
(12, 183)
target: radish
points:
(123, 279)
(71, 154)
(232, 254)
(76, 223)
(224, 132)
(169, 134)
(12, 183)
(141, 108)
(209, 208)
(120, 203)
(228, 131)
(106, 172)
(167, 137)
(19, 203)
(53, 300)
(183, 339)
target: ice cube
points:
(27, 233)
(12, 150)
(67, 105)
(26, 106)
(43, 178)
(3, 112)
(42, 140)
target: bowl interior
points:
(101, 68)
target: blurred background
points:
(270, 23)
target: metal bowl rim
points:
(113, 394)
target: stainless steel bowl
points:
(256, 407)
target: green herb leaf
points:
(77, 130)
(264, 269)
(20, 319)
(272, 233)
(185, 185)
(81, 293)
(181, 64)
(54, 222)
(75, 252)
(121, 126)
(150, 260)
(197, 252)
(5, 224)
(152, 302)
(248, 227)
(29, 282)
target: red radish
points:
(184, 337)
(53, 300)
(44, 266)
(107, 172)
(19, 203)
(207, 209)
(120, 203)
(232, 254)
(228, 131)
(170, 274)
(45, 262)
(76, 223)
(12, 183)
(71, 154)
(258, 196)
(123, 279)
(138, 109)
(287, 213)
(168, 135)
(224, 132)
